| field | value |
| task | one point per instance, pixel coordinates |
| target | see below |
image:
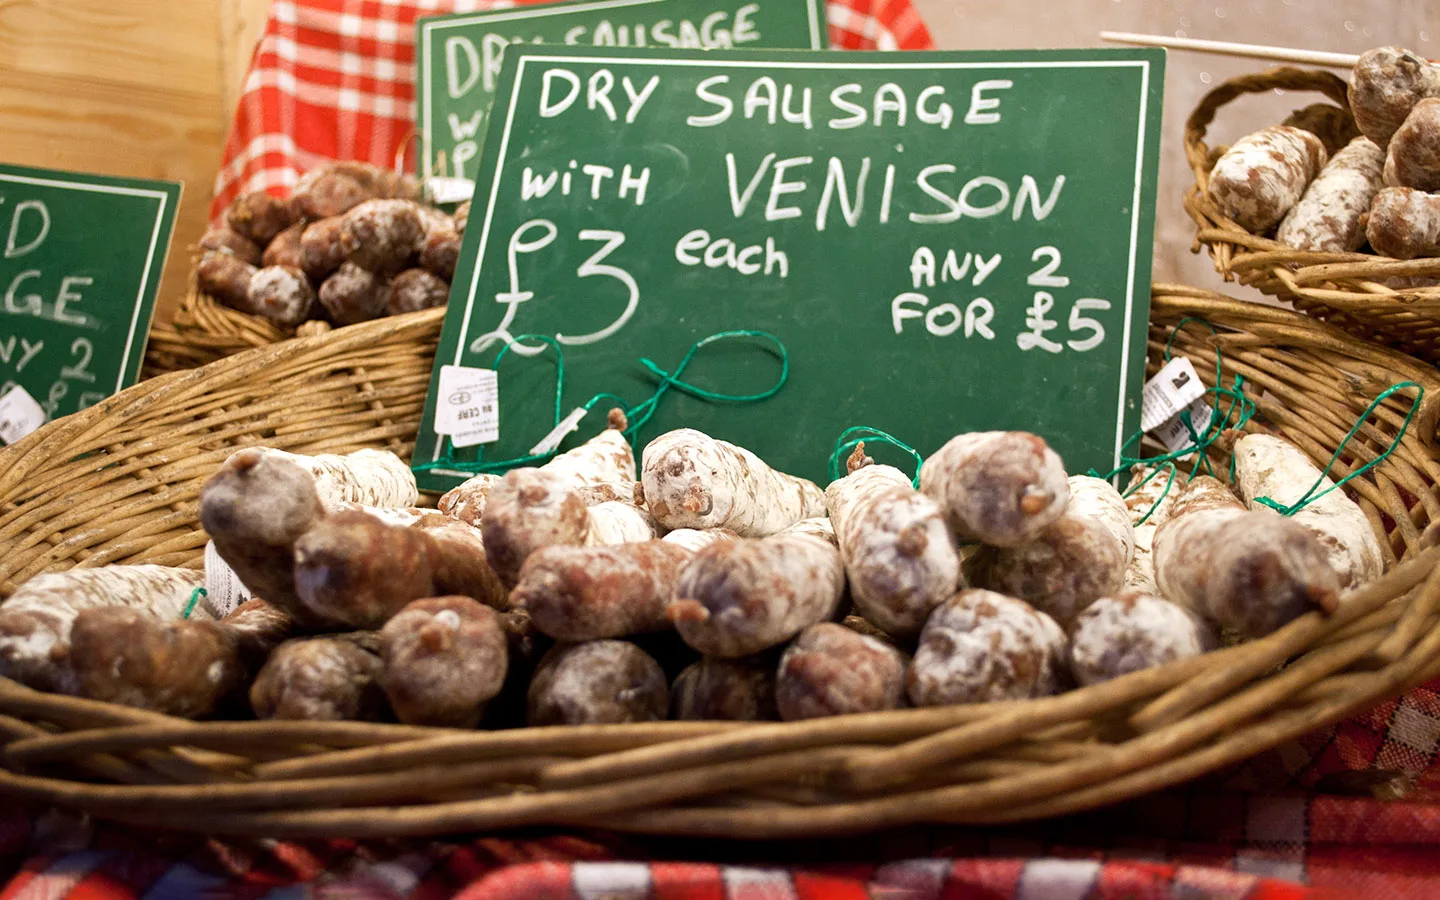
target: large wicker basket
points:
(118, 483)
(1350, 290)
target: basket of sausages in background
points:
(671, 637)
(1335, 208)
(353, 242)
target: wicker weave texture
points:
(118, 482)
(203, 331)
(1351, 290)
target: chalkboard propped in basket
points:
(935, 242)
(80, 264)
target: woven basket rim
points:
(998, 762)
(202, 330)
(673, 761)
(1347, 285)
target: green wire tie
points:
(1169, 483)
(1306, 499)
(848, 441)
(1242, 409)
(195, 596)
(1234, 414)
(638, 415)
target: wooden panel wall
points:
(126, 87)
(241, 22)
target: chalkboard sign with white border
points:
(943, 242)
(80, 266)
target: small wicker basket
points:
(1346, 289)
(204, 330)
(118, 483)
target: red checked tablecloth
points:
(332, 79)
(1173, 846)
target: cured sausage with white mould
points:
(179, 667)
(588, 593)
(1131, 631)
(731, 690)
(899, 556)
(829, 670)
(692, 480)
(322, 679)
(1082, 557)
(530, 509)
(1385, 85)
(597, 683)
(1247, 571)
(999, 487)
(35, 622)
(740, 597)
(1263, 175)
(1268, 466)
(1332, 212)
(980, 646)
(1151, 494)
(444, 659)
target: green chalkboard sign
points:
(79, 267)
(942, 242)
(458, 56)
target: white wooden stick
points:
(1256, 51)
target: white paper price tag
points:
(223, 589)
(1173, 434)
(468, 408)
(19, 415)
(449, 189)
(1172, 389)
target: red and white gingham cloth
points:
(1199, 843)
(335, 79)
(1213, 839)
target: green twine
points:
(1241, 408)
(1224, 416)
(643, 411)
(848, 442)
(1169, 483)
(1236, 414)
(1310, 496)
(195, 596)
(638, 415)
(1179, 326)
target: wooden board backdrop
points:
(127, 87)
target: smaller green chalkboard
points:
(458, 56)
(80, 261)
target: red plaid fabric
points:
(335, 79)
(1170, 846)
(1399, 739)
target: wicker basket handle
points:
(1285, 77)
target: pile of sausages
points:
(1328, 180)
(352, 243)
(703, 584)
